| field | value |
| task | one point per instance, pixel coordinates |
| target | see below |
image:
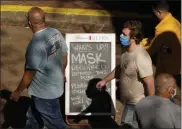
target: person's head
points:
(165, 85)
(36, 19)
(131, 33)
(160, 9)
(92, 90)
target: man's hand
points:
(101, 84)
(24, 83)
(15, 95)
(29, 71)
(107, 79)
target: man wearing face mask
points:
(158, 111)
(136, 71)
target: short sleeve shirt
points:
(44, 54)
(158, 112)
(134, 66)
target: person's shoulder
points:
(123, 55)
(175, 106)
(172, 22)
(174, 109)
(148, 98)
(54, 29)
(50, 29)
(35, 43)
(173, 19)
(142, 54)
(142, 49)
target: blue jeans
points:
(45, 112)
(129, 116)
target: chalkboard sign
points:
(89, 56)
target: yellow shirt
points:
(169, 23)
(166, 45)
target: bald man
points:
(44, 73)
(158, 111)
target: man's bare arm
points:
(107, 79)
(110, 76)
(149, 83)
(114, 74)
(24, 83)
(26, 80)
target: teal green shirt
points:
(44, 54)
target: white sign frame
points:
(90, 37)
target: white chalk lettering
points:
(82, 100)
(79, 86)
(89, 58)
(82, 47)
(78, 91)
(83, 59)
(75, 58)
(88, 101)
(75, 98)
(101, 72)
(86, 78)
(83, 108)
(101, 47)
(87, 67)
(86, 73)
(102, 66)
(98, 60)
(76, 103)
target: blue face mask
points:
(124, 41)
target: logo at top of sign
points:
(82, 37)
(99, 37)
(92, 37)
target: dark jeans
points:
(129, 116)
(45, 112)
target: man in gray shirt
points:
(159, 111)
(46, 60)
